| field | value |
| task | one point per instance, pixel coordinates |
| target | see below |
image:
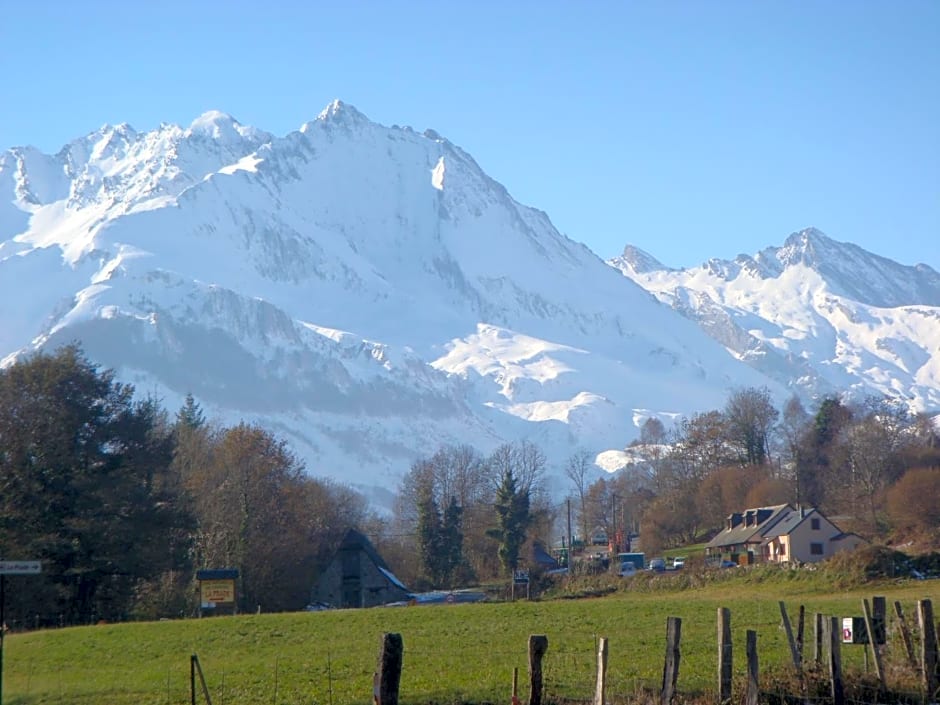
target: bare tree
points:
(750, 417)
(792, 430)
(874, 444)
(700, 447)
(652, 432)
(577, 469)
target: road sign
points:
(11, 568)
(20, 567)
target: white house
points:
(806, 536)
(780, 534)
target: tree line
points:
(122, 502)
(873, 465)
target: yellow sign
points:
(217, 591)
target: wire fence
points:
(436, 672)
(569, 677)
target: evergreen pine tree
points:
(512, 520)
(452, 540)
(429, 538)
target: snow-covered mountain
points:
(819, 315)
(367, 292)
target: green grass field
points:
(453, 653)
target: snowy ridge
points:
(824, 316)
(370, 293)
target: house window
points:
(814, 522)
(816, 549)
(783, 549)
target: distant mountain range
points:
(818, 316)
(368, 293)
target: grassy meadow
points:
(462, 653)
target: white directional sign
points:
(20, 567)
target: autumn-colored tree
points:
(914, 502)
(726, 490)
(670, 520)
(243, 498)
(768, 492)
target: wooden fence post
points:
(834, 632)
(601, 685)
(538, 645)
(753, 689)
(817, 638)
(724, 655)
(196, 669)
(794, 653)
(390, 662)
(905, 635)
(800, 630)
(879, 618)
(928, 648)
(671, 667)
(870, 627)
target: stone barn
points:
(358, 577)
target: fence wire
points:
(569, 671)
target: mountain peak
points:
(809, 246)
(639, 260)
(218, 125)
(337, 110)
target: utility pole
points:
(613, 518)
(568, 558)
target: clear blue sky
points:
(690, 129)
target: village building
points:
(779, 534)
(358, 577)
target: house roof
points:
(789, 522)
(357, 541)
(543, 557)
(742, 533)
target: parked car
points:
(678, 562)
(627, 569)
(318, 607)
(657, 565)
(727, 564)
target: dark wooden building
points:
(358, 577)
